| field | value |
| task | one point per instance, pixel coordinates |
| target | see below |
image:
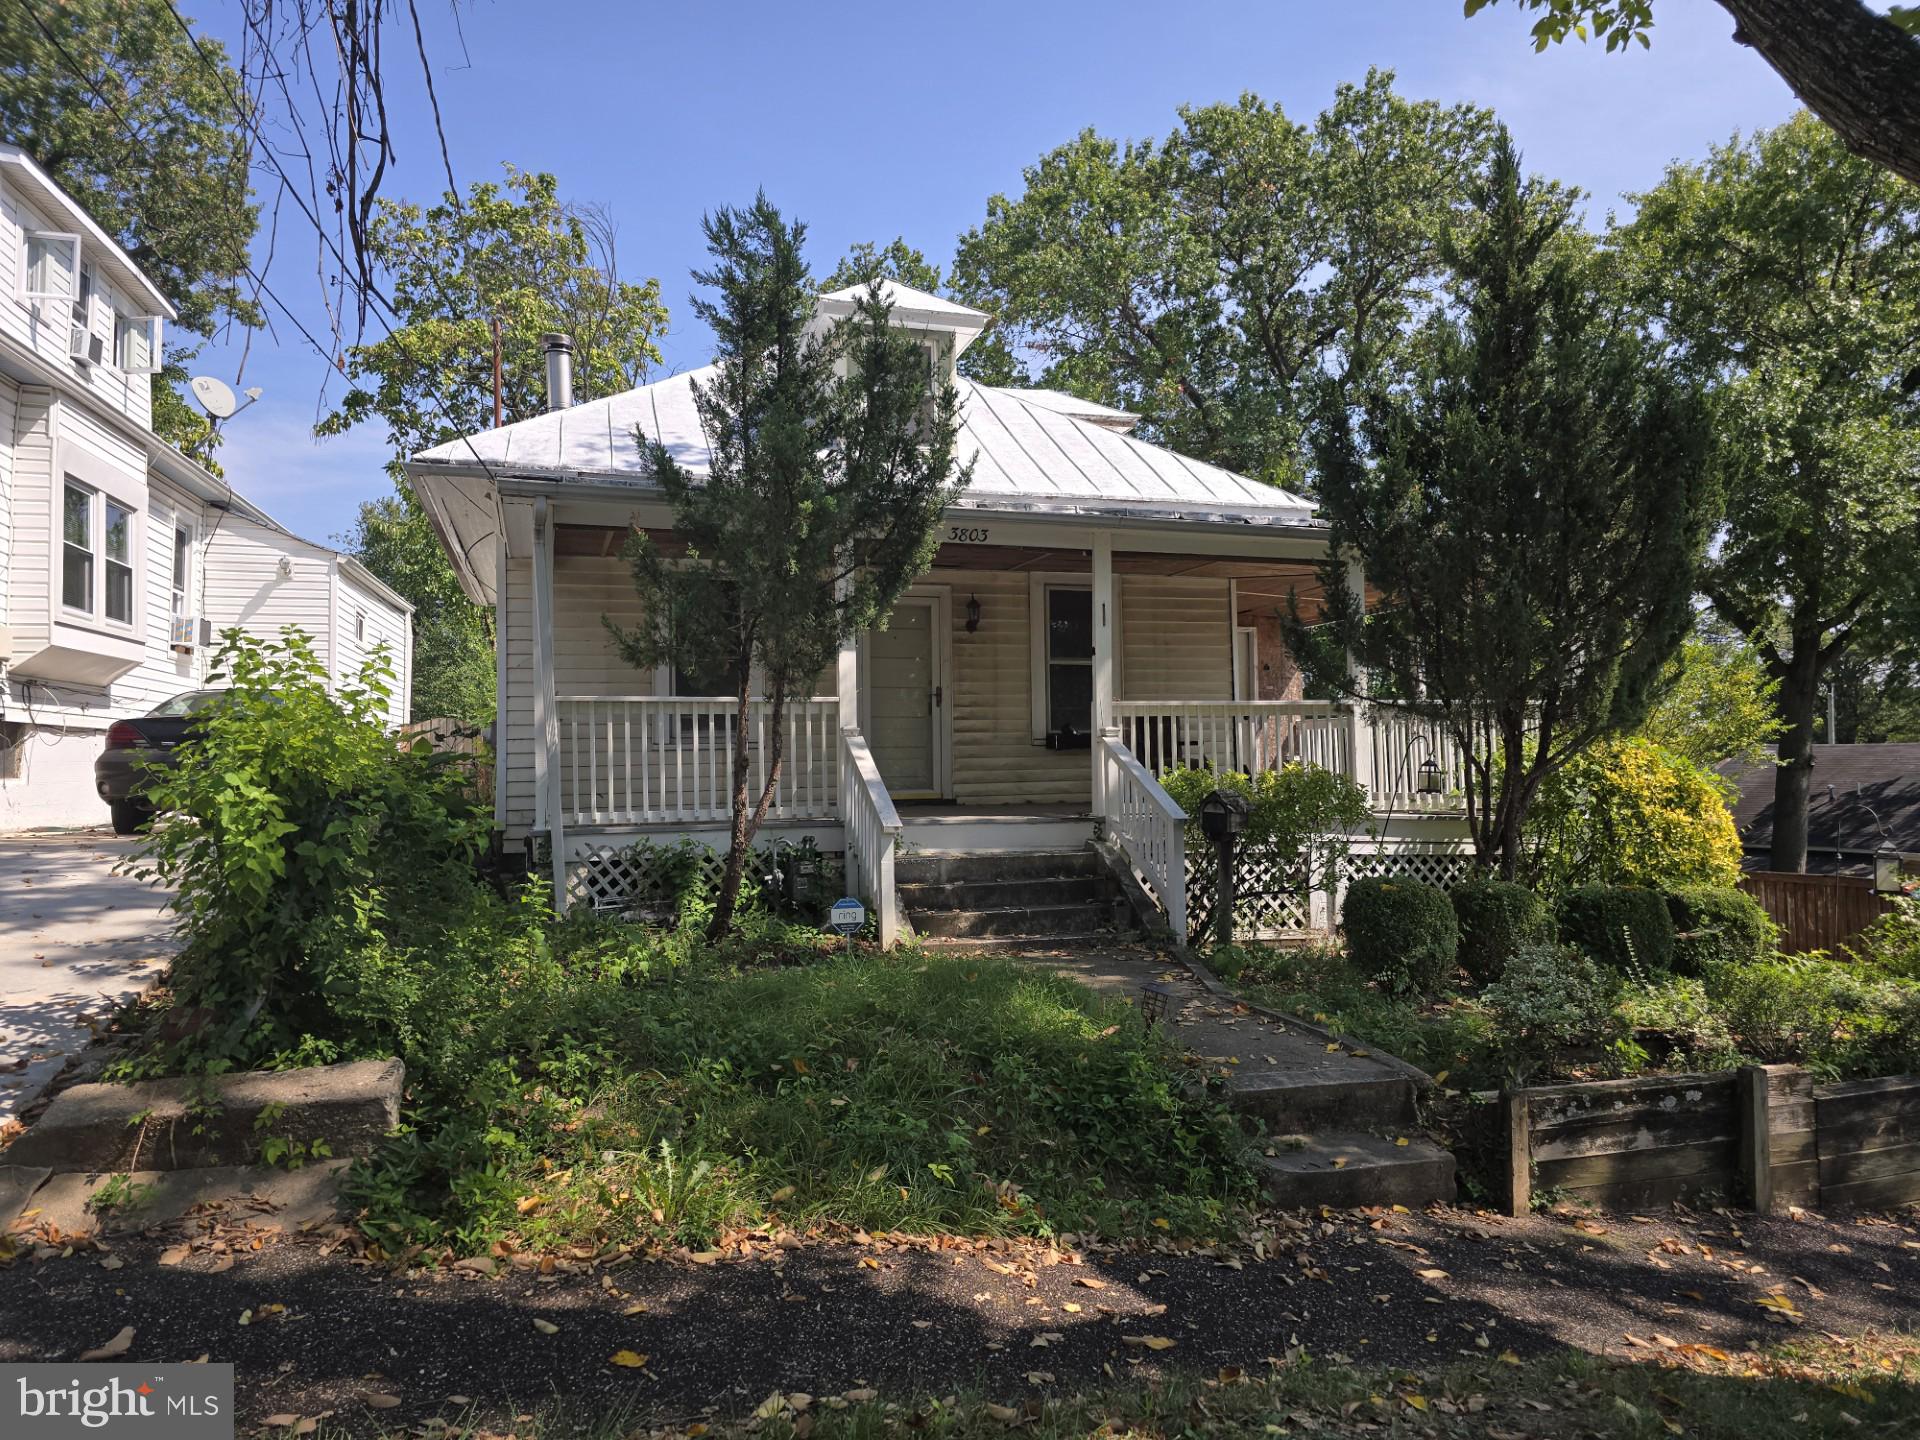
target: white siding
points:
(995, 761)
(29, 600)
(1176, 639)
(244, 586)
(384, 626)
(44, 328)
(9, 394)
(514, 620)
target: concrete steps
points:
(1005, 900)
(1344, 1172)
(1316, 1101)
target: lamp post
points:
(1223, 815)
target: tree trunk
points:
(1793, 781)
(747, 820)
(1858, 71)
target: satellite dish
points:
(216, 397)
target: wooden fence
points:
(457, 737)
(1765, 1135)
(1816, 912)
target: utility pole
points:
(496, 373)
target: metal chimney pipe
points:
(559, 353)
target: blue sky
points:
(872, 120)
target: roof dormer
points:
(947, 328)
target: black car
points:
(136, 747)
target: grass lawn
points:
(641, 1103)
(1826, 1387)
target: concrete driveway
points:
(76, 941)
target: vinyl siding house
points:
(1100, 610)
(119, 556)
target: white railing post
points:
(872, 829)
(1103, 605)
(1147, 827)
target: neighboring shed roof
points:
(1864, 797)
(1026, 455)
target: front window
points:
(133, 344)
(119, 563)
(96, 554)
(53, 267)
(76, 563)
(1069, 643)
(182, 561)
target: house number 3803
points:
(967, 534)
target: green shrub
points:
(1549, 997)
(1496, 918)
(1891, 944)
(1403, 933)
(294, 832)
(1623, 927)
(1840, 1019)
(1683, 1011)
(1627, 812)
(1302, 817)
(1717, 926)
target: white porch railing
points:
(1147, 827)
(1251, 735)
(872, 834)
(1402, 744)
(640, 760)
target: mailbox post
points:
(1223, 815)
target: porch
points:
(1023, 697)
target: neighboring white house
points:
(1100, 610)
(119, 556)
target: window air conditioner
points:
(190, 633)
(83, 344)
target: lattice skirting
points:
(1445, 868)
(1270, 901)
(645, 881)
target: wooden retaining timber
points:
(1765, 1135)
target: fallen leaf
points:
(114, 1348)
(860, 1396)
(1433, 1274)
(174, 1254)
(545, 1327)
(1005, 1414)
(1148, 1342)
(281, 1421)
(627, 1359)
(112, 1262)
(705, 1257)
(635, 1309)
(377, 1401)
(785, 1192)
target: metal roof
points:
(1064, 403)
(1025, 452)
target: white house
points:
(119, 556)
(1100, 610)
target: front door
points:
(904, 699)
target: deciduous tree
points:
(1786, 275)
(1530, 496)
(1214, 282)
(514, 252)
(818, 504)
(140, 128)
(1854, 67)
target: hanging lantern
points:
(1430, 778)
(973, 613)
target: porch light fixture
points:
(1430, 777)
(973, 613)
(1155, 999)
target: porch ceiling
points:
(1263, 583)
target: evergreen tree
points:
(1530, 500)
(818, 506)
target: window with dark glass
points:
(1069, 661)
(119, 563)
(182, 559)
(76, 551)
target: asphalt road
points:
(823, 1318)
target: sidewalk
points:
(76, 942)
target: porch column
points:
(546, 718)
(1102, 657)
(847, 669)
(1360, 731)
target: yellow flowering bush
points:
(1631, 812)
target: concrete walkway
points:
(76, 942)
